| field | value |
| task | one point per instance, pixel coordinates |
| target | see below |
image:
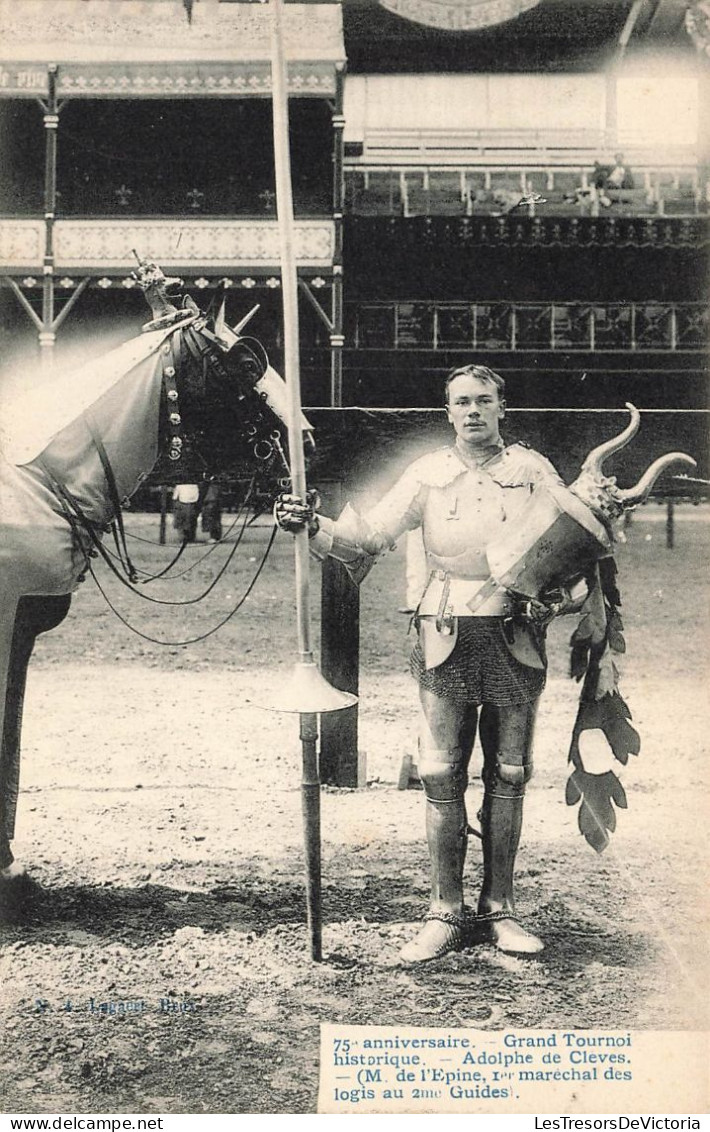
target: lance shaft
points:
(310, 788)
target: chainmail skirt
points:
(481, 668)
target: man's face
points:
(475, 410)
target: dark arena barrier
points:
(360, 447)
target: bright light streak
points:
(658, 109)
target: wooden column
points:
(670, 524)
(340, 762)
(162, 538)
(47, 335)
(337, 341)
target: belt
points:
(447, 596)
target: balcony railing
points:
(183, 244)
(542, 327)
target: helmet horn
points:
(593, 464)
(631, 496)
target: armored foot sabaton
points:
(443, 932)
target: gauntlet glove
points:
(292, 514)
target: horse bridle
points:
(206, 350)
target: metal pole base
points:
(308, 691)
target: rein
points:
(117, 528)
(209, 632)
(71, 507)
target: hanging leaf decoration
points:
(592, 628)
(607, 576)
(606, 674)
(597, 639)
(596, 795)
(616, 640)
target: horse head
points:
(223, 403)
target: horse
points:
(188, 396)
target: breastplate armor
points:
(463, 516)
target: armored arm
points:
(353, 539)
(567, 598)
(350, 538)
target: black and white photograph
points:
(354, 530)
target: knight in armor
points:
(480, 658)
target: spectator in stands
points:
(186, 505)
(506, 200)
(479, 661)
(588, 198)
(604, 178)
(620, 176)
(600, 174)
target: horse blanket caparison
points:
(48, 434)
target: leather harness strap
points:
(119, 532)
(176, 444)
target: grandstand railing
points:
(423, 190)
(502, 326)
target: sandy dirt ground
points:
(160, 818)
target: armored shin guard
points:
(446, 827)
(501, 823)
(446, 834)
(506, 735)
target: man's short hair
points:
(483, 373)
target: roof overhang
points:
(149, 50)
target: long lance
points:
(309, 693)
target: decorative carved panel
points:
(129, 27)
(142, 49)
(164, 80)
(443, 233)
(136, 80)
(21, 243)
(181, 245)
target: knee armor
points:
(443, 775)
(506, 735)
(512, 776)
